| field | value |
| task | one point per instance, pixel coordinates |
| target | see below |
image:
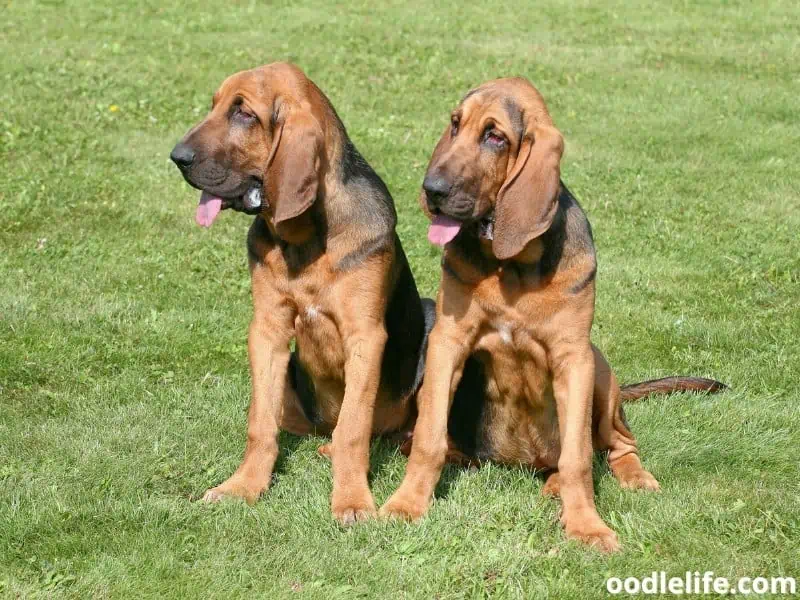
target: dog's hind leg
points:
(610, 431)
(300, 412)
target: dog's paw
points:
(638, 480)
(587, 527)
(236, 488)
(552, 487)
(600, 537)
(631, 475)
(404, 508)
(349, 511)
(351, 515)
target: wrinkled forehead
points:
(248, 84)
(263, 84)
(514, 101)
(481, 107)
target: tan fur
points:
(337, 317)
(550, 391)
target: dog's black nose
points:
(182, 155)
(436, 188)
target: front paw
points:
(405, 507)
(236, 486)
(592, 532)
(601, 538)
(351, 508)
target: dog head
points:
(497, 164)
(259, 149)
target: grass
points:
(123, 368)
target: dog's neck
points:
(476, 260)
(531, 254)
(295, 231)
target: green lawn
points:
(123, 366)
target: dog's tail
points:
(670, 385)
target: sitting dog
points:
(327, 270)
(511, 371)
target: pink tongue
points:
(443, 230)
(208, 209)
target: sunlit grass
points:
(123, 368)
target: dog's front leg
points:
(448, 349)
(573, 385)
(268, 347)
(351, 499)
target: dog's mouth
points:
(211, 205)
(444, 228)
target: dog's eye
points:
(243, 115)
(454, 123)
(494, 138)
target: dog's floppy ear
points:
(527, 202)
(293, 169)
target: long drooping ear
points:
(527, 202)
(293, 169)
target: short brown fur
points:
(325, 263)
(521, 301)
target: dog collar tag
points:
(252, 199)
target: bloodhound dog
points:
(327, 270)
(511, 373)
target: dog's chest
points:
(521, 423)
(318, 340)
(513, 348)
(509, 323)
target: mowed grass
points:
(123, 366)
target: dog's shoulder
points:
(370, 201)
(364, 210)
(578, 229)
(569, 242)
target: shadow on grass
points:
(384, 450)
(287, 445)
(452, 473)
